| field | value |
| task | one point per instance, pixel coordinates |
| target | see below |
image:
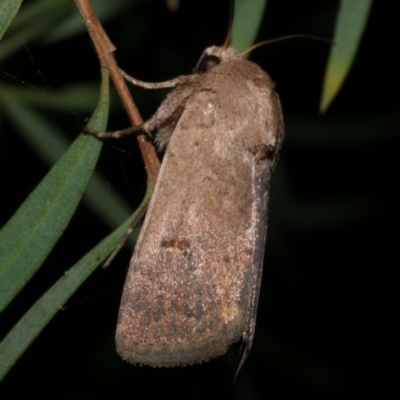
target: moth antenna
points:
(285, 38)
(231, 16)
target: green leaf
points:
(72, 24)
(351, 22)
(37, 317)
(77, 98)
(247, 21)
(25, 26)
(27, 239)
(50, 144)
(8, 9)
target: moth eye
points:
(207, 63)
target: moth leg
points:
(263, 151)
(154, 85)
(166, 116)
(115, 134)
(147, 127)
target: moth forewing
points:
(193, 282)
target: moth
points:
(194, 278)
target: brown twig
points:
(105, 49)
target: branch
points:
(104, 49)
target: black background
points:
(331, 226)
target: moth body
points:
(193, 282)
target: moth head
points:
(214, 55)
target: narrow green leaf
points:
(27, 239)
(42, 136)
(247, 21)
(50, 144)
(72, 24)
(30, 23)
(78, 98)
(34, 10)
(37, 317)
(351, 21)
(8, 9)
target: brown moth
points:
(194, 279)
